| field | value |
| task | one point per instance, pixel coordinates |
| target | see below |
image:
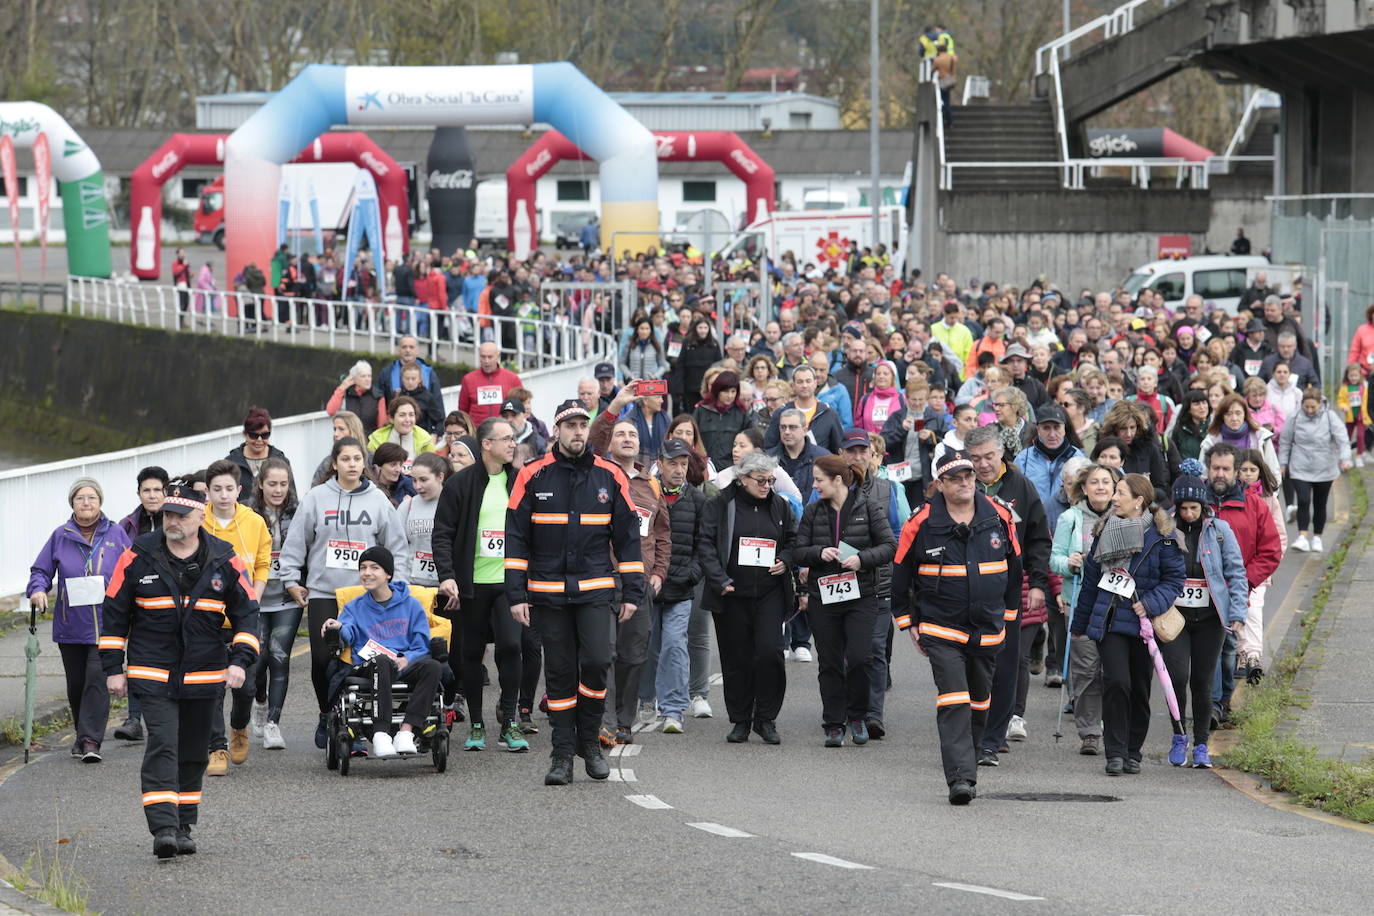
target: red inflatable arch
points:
(721, 146)
(181, 150)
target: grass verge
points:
(1263, 746)
(53, 878)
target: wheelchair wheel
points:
(439, 752)
(344, 750)
(331, 754)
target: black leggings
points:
(1312, 496)
(486, 615)
(277, 633)
(318, 610)
(1192, 661)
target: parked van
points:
(1220, 279)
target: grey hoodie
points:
(326, 513)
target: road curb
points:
(14, 898)
(44, 714)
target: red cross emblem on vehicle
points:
(832, 249)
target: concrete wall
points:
(1159, 209)
(1071, 260)
(94, 385)
(1230, 213)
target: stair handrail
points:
(1118, 22)
(1061, 129)
(927, 75)
(1259, 99)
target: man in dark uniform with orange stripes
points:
(960, 556)
(568, 510)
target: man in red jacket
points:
(484, 389)
(1260, 549)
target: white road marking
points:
(652, 802)
(622, 775)
(830, 860)
(990, 891)
(625, 750)
(716, 679)
(720, 830)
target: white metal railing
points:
(976, 87)
(1259, 100)
(525, 342)
(1073, 172)
(1118, 22)
(926, 74)
(1221, 165)
(1061, 128)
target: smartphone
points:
(919, 424)
(649, 387)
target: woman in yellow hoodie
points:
(231, 521)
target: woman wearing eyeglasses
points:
(256, 448)
(747, 560)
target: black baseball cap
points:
(513, 405)
(604, 370)
(674, 448)
(183, 499)
(1050, 413)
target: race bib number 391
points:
(1118, 582)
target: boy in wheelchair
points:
(388, 633)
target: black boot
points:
(739, 733)
(961, 792)
(131, 730)
(596, 765)
(185, 845)
(165, 842)
(560, 771)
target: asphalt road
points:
(282, 833)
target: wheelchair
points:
(352, 694)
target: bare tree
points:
(749, 19)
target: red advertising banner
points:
(42, 173)
(11, 176)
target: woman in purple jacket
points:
(80, 557)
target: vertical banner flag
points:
(10, 174)
(42, 173)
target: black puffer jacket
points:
(684, 379)
(718, 431)
(686, 517)
(863, 526)
(716, 547)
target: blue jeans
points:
(668, 652)
(1224, 684)
(877, 660)
(403, 316)
(797, 632)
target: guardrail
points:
(1118, 22)
(577, 311)
(15, 293)
(1072, 171)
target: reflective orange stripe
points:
(149, 674)
(930, 629)
(569, 703)
(952, 699)
(159, 798)
(904, 621)
(248, 639)
(995, 639)
(517, 563)
(209, 604)
(596, 519)
(536, 585)
(981, 704)
(989, 568)
(590, 693)
(203, 677)
(1010, 614)
(632, 566)
(941, 569)
(549, 518)
(188, 798)
(113, 642)
(587, 585)
(155, 603)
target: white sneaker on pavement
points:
(258, 721)
(382, 746)
(1300, 543)
(801, 654)
(1317, 543)
(1016, 731)
(672, 725)
(700, 709)
(1359, 461)
(787, 655)
(404, 743)
(1292, 513)
(271, 737)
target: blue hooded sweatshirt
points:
(401, 624)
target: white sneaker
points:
(1292, 512)
(1016, 731)
(259, 719)
(1300, 543)
(801, 654)
(672, 725)
(382, 746)
(1316, 543)
(787, 655)
(404, 743)
(648, 712)
(271, 737)
(1359, 461)
(700, 709)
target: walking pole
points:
(1064, 674)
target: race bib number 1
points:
(1118, 582)
(492, 543)
(838, 588)
(758, 552)
(343, 554)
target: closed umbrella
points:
(32, 649)
(1147, 633)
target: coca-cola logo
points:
(457, 180)
(744, 161)
(165, 164)
(540, 162)
(1106, 145)
(665, 145)
(378, 167)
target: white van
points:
(1220, 279)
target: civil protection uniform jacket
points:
(173, 642)
(565, 517)
(966, 588)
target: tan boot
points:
(219, 763)
(238, 745)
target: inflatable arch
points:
(85, 216)
(681, 146)
(181, 150)
(322, 96)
